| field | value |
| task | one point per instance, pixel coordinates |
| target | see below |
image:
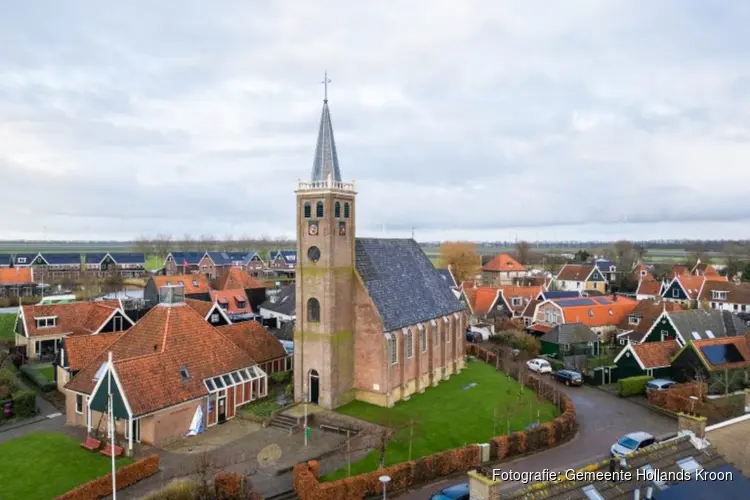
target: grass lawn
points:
(48, 371)
(153, 262)
(47, 464)
(450, 415)
(7, 323)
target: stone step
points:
(286, 419)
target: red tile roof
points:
(255, 340)
(691, 284)
(75, 318)
(637, 272)
(541, 327)
(149, 357)
(231, 300)
(481, 299)
(705, 269)
(526, 293)
(200, 306)
(193, 283)
(649, 287)
(81, 350)
(656, 354)
(503, 263)
(737, 293)
(647, 311)
(678, 270)
(16, 276)
(600, 314)
(575, 272)
(238, 278)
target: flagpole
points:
(111, 427)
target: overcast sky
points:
(467, 119)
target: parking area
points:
(602, 419)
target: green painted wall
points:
(550, 349)
(663, 325)
(99, 399)
(627, 366)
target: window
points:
(49, 322)
(180, 283)
(313, 310)
(719, 295)
(664, 335)
(591, 313)
(650, 372)
(690, 465)
(117, 323)
(735, 307)
(224, 305)
(195, 283)
(215, 318)
(422, 339)
(337, 210)
(79, 404)
(308, 210)
(319, 212)
(346, 210)
(633, 320)
(696, 335)
(643, 272)
(436, 333)
(675, 292)
(516, 301)
(409, 341)
(578, 284)
(392, 348)
(547, 316)
(184, 374)
(241, 304)
(448, 332)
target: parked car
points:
(660, 384)
(630, 443)
(455, 492)
(568, 377)
(539, 365)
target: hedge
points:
(126, 476)
(556, 364)
(632, 386)
(24, 404)
(39, 380)
(426, 469)
(231, 486)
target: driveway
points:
(602, 419)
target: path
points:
(49, 419)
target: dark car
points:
(568, 377)
(455, 492)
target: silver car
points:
(660, 384)
(630, 443)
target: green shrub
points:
(632, 386)
(280, 378)
(289, 391)
(556, 364)
(179, 489)
(24, 403)
(518, 340)
(38, 378)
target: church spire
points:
(326, 162)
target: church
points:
(374, 320)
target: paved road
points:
(602, 418)
(8, 310)
(50, 419)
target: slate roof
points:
(720, 323)
(326, 161)
(575, 272)
(128, 258)
(16, 276)
(286, 332)
(226, 258)
(193, 283)
(662, 457)
(737, 293)
(94, 258)
(62, 258)
(75, 318)
(402, 282)
(289, 256)
(192, 258)
(255, 340)
(569, 333)
(24, 259)
(250, 255)
(238, 278)
(448, 278)
(81, 350)
(604, 265)
(284, 302)
(5, 259)
(656, 354)
(503, 263)
(149, 357)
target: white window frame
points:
(214, 317)
(79, 398)
(392, 348)
(409, 343)
(516, 301)
(720, 294)
(118, 323)
(46, 322)
(675, 293)
(633, 320)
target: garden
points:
(47, 464)
(474, 405)
(7, 324)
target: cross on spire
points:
(325, 83)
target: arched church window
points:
(319, 209)
(409, 341)
(346, 210)
(313, 310)
(308, 210)
(337, 210)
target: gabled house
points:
(17, 282)
(217, 264)
(23, 259)
(724, 363)
(580, 277)
(601, 314)
(42, 328)
(238, 279)
(653, 359)
(56, 266)
(678, 270)
(78, 351)
(196, 287)
(5, 260)
(280, 306)
(642, 272)
(649, 288)
(686, 288)
(480, 301)
(170, 369)
(234, 302)
(570, 340)
(512, 300)
(282, 260)
(694, 324)
(254, 264)
(704, 269)
(183, 262)
(503, 270)
(634, 327)
(125, 265)
(726, 296)
(607, 268)
(211, 312)
(529, 312)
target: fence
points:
(691, 398)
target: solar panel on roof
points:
(602, 300)
(576, 302)
(720, 354)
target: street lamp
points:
(384, 480)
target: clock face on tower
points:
(312, 228)
(313, 253)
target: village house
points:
(281, 306)
(678, 270)
(726, 296)
(580, 277)
(238, 279)
(17, 282)
(159, 384)
(78, 351)
(642, 272)
(211, 312)
(686, 288)
(529, 312)
(653, 359)
(234, 302)
(704, 269)
(124, 265)
(649, 288)
(722, 363)
(196, 287)
(374, 319)
(694, 324)
(42, 328)
(254, 264)
(573, 342)
(183, 262)
(601, 314)
(23, 259)
(607, 268)
(216, 264)
(265, 349)
(282, 261)
(479, 301)
(503, 270)
(634, 327)
(50, 267)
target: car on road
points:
(539, 365)
(568, 377)
(630, 443)
(455, 492)
(659, 384)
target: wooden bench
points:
(91, 444)
(109, 449)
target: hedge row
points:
(426, 469)
(231, 486)
(632, 386)
(39, 380)
(126, 476)
(659, 398)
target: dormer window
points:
(612, 269)
(633, 320)
(516, 301)
(240, 304)
(180, 283)
(47, 322)
(195, 283)
(720, 294)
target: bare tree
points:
(523, 252)
(161, 245)
(186, 243)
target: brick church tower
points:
(325, 279)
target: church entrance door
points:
(314, 386)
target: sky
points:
(481, 120)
